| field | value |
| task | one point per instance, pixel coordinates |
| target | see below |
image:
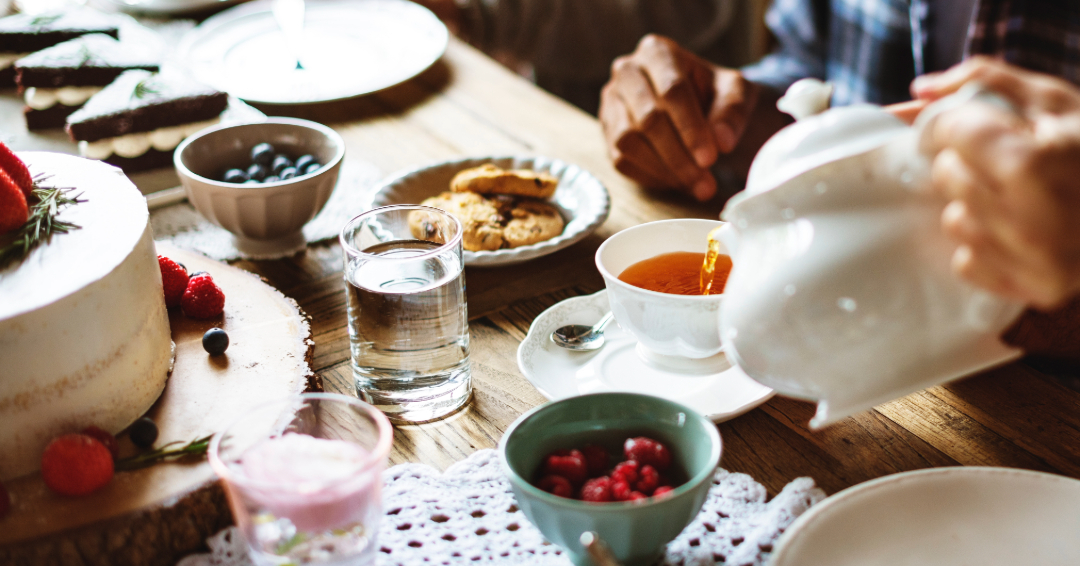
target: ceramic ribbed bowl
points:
(580, 197)
(269, 217)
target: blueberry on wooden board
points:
(215, 341)
(143, 433)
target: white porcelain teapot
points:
(842, 290)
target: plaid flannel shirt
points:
(872, 49)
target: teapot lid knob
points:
(806, 97)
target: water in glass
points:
(408, 330)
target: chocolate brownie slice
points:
(56, 81)
(23, 34)
(137, 121)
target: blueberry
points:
(304, 160)
(287, 173)
(143, 433)
(263, 154)
(272, 179)
(280, 162)
(215, 341)
(197, 273)
(234, 176)
(312, 167)
(257, 172)
(251, 182)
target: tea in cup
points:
(677, 331)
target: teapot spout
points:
(726, 235)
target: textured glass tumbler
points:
(408, 321)
(303, 476)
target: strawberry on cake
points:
(84, 334)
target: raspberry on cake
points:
(56, 81)
(137, 121)
(23, 34)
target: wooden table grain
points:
(1014, 416)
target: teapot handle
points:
(973, 91)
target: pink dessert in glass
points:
(316, 483)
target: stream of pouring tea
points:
(708, 268)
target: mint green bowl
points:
(636, 532)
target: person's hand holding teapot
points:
(1013, 181)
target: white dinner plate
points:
(941, 517)
(166, 7)
(580, 197)
(348, 48)
(559, 373)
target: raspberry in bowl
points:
(564, 460)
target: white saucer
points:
(559, 373)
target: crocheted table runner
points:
(468, 515)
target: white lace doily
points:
(183, 226)
(467, 515)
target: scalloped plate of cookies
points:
(512, 209)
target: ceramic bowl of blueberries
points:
(261, 181)
(567, 462)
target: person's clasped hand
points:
(1012, 181)
(668, 114)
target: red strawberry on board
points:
(13, 209)
(76, 464)
(16, 169)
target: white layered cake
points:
(84, 334)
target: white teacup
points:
(678, 331)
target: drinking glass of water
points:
(304, 478)
(408, 322)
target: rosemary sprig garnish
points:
(41, 225)
(196, 447)
(85, 55)
(45, 20)
(145, 87)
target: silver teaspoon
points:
(598, 549)
(581, 338)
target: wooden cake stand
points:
(159, 514)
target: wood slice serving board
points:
(158, 514)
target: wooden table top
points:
(468, 105)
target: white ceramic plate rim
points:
(168, 7)
(537, 339)
(850, 499)
(211, 26)
(577, 226)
